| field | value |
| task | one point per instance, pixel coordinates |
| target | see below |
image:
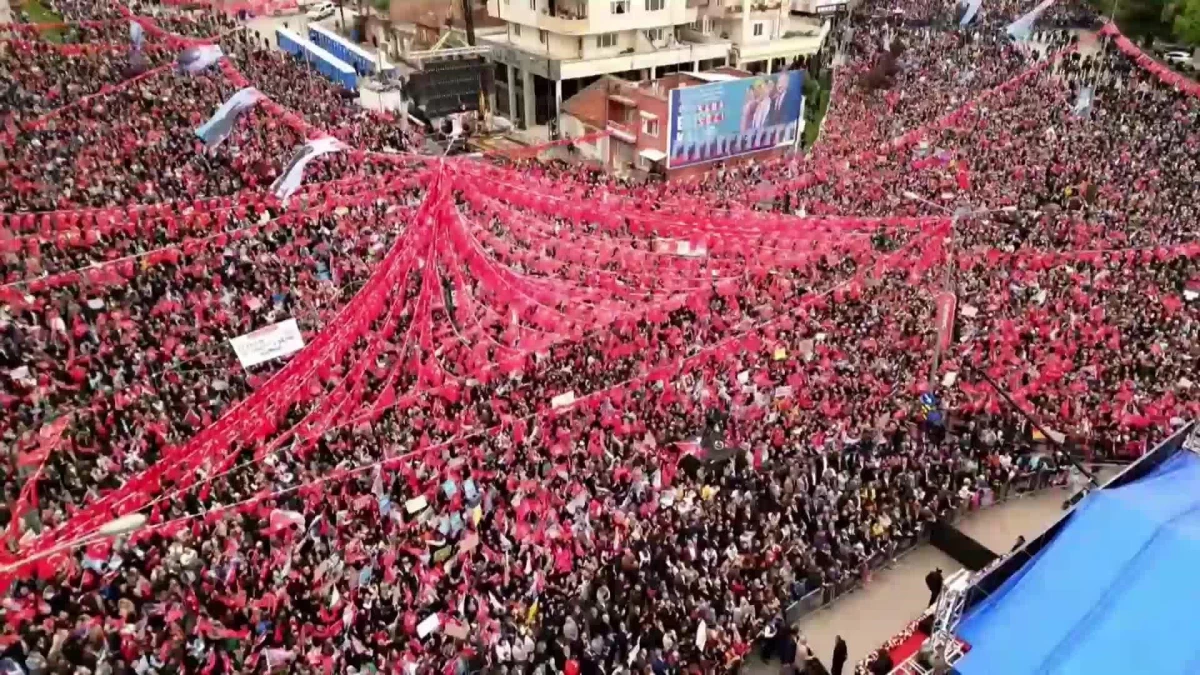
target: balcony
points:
(672, 54)
(798, 40)
(564, 20)
(756, 6)
(620, 131)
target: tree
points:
(1139, 18)
(1187, 21)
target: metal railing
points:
(986, 497)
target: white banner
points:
(1023, 27)
(289, 181)
(195, 59)
(218, 127)
(563, 400)
(971, 11)
(270, 342)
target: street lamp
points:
(956, 214)
(961, 212)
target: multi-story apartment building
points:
(549, 50)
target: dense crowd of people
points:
(545, 420)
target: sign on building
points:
(720, 120)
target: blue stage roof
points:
(1114, 592)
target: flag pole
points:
(1013, 404)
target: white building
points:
(550, 49)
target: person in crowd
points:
(882, 663)
(789, 652)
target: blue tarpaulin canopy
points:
(1112, 593)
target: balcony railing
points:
(768, 6)
(569, 13)
(564, 21)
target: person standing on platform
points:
(839, 657)
(933, 581)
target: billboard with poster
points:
(716, 121)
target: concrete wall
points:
(592, 17)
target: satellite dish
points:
(123, 525)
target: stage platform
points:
(1111, 593)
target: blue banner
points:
(716, 121)
(931, 408)
(217, 128)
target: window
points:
(533, 5)
(516, 29)
(649, 126)
(542, 36)
(758, 29)
(654, 35)
(606, 40)
(702, 25)
(619, 6)
(655, 5)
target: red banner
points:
(946, 303)
(1147, 63)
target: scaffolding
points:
(942, 647)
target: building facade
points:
(549, 50)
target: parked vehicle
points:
(1178, 58)
(320, 11)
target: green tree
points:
(1187, 21)
(1139, 18)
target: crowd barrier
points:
(1022, 484)
(359, 58)
(325, 63)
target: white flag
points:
(289, 181)
(195, 59)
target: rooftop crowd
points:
(546, 421)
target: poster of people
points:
(720, 120)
